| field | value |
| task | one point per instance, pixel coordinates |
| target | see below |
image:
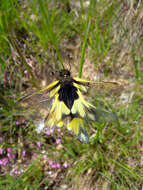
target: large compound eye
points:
(64, 73)
(67, 73)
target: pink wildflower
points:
(59, 129)
(4, 161)
(23, 152)
(8, 150)
(58, 141)
(17, 122)
(51, 163)
(38, 143)
(58, 165)
(51, 130)
(54, 166)
(9, 155)
(44, 156)
(65, 165)
(16, 171)
(47, 132)
(1, 150)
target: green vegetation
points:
(98, 40)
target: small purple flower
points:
(47, 132)
(44, 156)
(51, 162)
(65, 165)
(17, 123)
(9, 155)
(38, 143)
(54, 166)
(51, 130)
(23, 152)
(1, 151)
(8, 150)
(16, 171)
(43, 151)
(59, 129)
(23, 121)
(58, 141)
(4, 161)
(58, 165)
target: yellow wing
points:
(51, 87)
(37, 105)
(51, 121)
(80, 83)
(77, 127)
(80, 105)
(59, 108)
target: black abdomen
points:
(67, 94)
